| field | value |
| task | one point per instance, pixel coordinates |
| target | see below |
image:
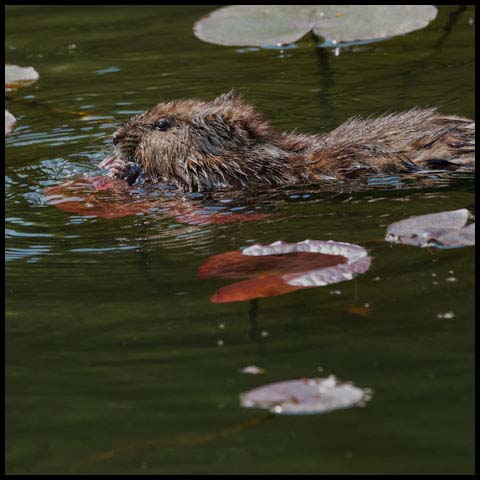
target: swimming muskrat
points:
(196, 145)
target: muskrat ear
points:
(230, 97)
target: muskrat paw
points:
(116, 167)
(131, 172)
(122, 169)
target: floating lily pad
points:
(253, 370)
(306, 396)
(357, 261)
(238, 264)
(103, 197)
(269, 286)
(255, 25)
(441, 230)
(108, 197)
(349, 23)
(281, 268)
(16, 76)
(266, 25)
(10, 122)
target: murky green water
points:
(117, 362)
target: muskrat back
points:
(196, 145)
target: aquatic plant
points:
(107, 197)
(440, 230)
(282, 267)
(275, 25)
(10, 122)
(102, 197)
(16, 76)
(305, 396)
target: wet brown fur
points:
(226, 143)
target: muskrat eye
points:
(162, 125)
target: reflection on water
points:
(183, 219)
(107, 322)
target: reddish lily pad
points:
(103, 197)
(10, 122)
(269, 286)
(441, 230)
(237, 264)
(305, 396)
(108, 197)
(281, 268)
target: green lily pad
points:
(255, 25)
(349, 23)
(16, 76)
(266, 25)
(10, 121)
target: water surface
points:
(116, 360)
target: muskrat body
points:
(196, 145)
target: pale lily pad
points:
(305, 396)
(16, 76)
(10, 122)
(281, 268)
(357, 261)
(348, 23)
(255, 25)
(441, 230)
(253, 370)
(266, 25)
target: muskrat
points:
(195, 145)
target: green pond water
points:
(117, 361)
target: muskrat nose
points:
(115, 139)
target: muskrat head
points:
(196, 145)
